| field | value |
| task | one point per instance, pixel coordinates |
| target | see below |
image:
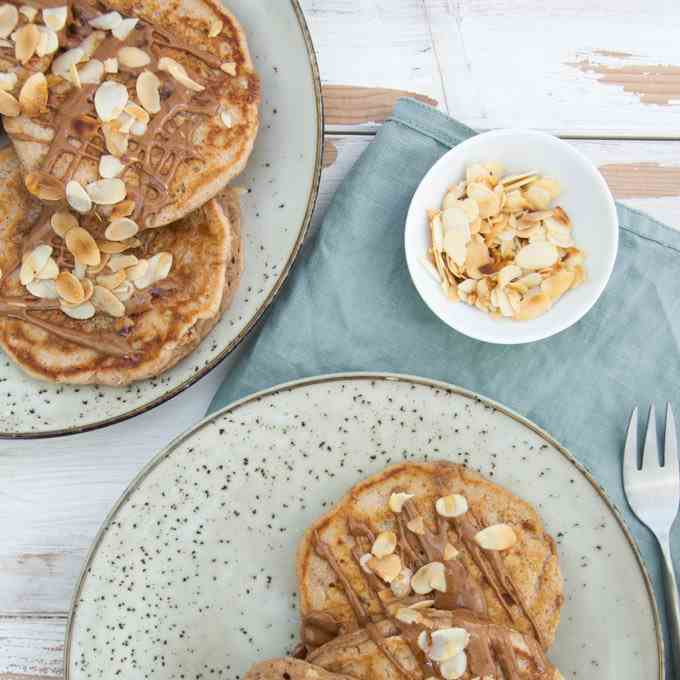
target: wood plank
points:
(31, 648)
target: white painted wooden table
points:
(604, 73)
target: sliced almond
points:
(113, 247)
(44, 186)
(446, 643)
(558, 284)
(455, 667)
(538, 197)
(49, 271)
(124, 292)
(111, 65)
(44, 289)
(9, 106)
(110, 166)
(454, 505)
(111, 281)
(408, 616)
(450, 552)
(29, 12)
(365, 558)
(401, 586)
(178, 72)
(70, 288)
(90, 45)
(496, 537)
(33, 95)
(55, 17)
(107, 192)
(138, 129)
(8, 81)
(133, 57)
(95, 269)
(81, 312)
(538, 255)
(137, 112)
(397, 500)
(161, 264)
(82, 246)
(48, 42)
(63, 63)
(387, 568)
(92, 73)
(416, 525)
(120, 262)
(107, 22)
(216, 26)
(73, 76)
(121, 229)
(27, 39)
(227, 119)
(9, 18)
(34, 263)
(78, 198)
(124, 28)
(384, 544)
(110, 100)
(430, 577)
(552, 186)
(116, 141)
(229, 67)
(138, 272)
(148, 91)
(123, 209)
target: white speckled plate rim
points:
(360, 376)
(285, 270)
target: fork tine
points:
(670, 452)
(630, 454)
(650, 452)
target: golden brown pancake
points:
(492, 650)
(187, 152)
(519, 587)
(287, 668)
(161, 323)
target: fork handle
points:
(672, 602)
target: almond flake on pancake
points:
(81, 312)
(120, 262)
(107, 191)
(33, 95)
(29, 12)
(229, 67)
(106, 301)
(44, 289)
(8, 81)
(148, 91)
(48, 42)
(121, 229)
(78, 198)
(124, 28)
(9, 106)
(116, 141)
(43, 185)
(107, 22)
(110, 100)
(111, 65)
(496, 537)
(27, 39)
(92, 73)
(9, 18)
(34, 263)
(216, 26)
(70, 288)
(178, 72)
(55, 17)
(62, 64)
(110, 166)
(82, 246)
(111, 281)
(133, 57)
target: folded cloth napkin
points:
(350, 306)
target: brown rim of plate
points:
(371, 377)
(283, 276)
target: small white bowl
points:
(585, 196)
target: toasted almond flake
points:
(123, 209)
(110, 166)
(384, 544)
(111, 65)
(455, 667)
(387, 568)
(121, 229)
(450, 552)
(29, 12)
(98, 268)
(79, 269)
(365, 558)
(77, 197)
(112, 281)
(538, 197)
(107, 22)
(137, 112)
(120, 262)
(455, 246)
(107, 192)
(502, 301)
(34, 262)
(44, 289)
(62, 64)
(8, 81)
(138, 129)
(48, 42)
(91, 43)
(161, 264)
(227, 119)
(133, 57)
(552, 186)
(558, 284)
(408, 616)
(124, 28)
(178, 72)
(9, 18)
(55, 17)
(110, 100)
(428, 578)
(124, 292)
(81, 312)
(49, 271)
(70, 288)
(416, 525)
(229, 67)
(537, 255)
(446, 643)
(397, 500)
(43, 186)
(113, 247)
(28, 37)
(73, 76)
(423, 640)
(138, 272)
(454, 505)
(401, 586)
(116, 141)
(9, 106)
(148, 91)
(33, 95)
(215, 28)
(496, 537)
(92, 73)
(82, 246)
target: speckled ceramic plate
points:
(192, 576)
(282, 179)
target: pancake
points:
(201, 100)
(287, 668)
(492, 650)
(156, 322)
(519, 587)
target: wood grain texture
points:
(31, 648)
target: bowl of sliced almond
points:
(511, 236)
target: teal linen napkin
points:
(350, 306)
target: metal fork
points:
(653, 493)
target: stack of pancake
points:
(425, 571)
(120, 239)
